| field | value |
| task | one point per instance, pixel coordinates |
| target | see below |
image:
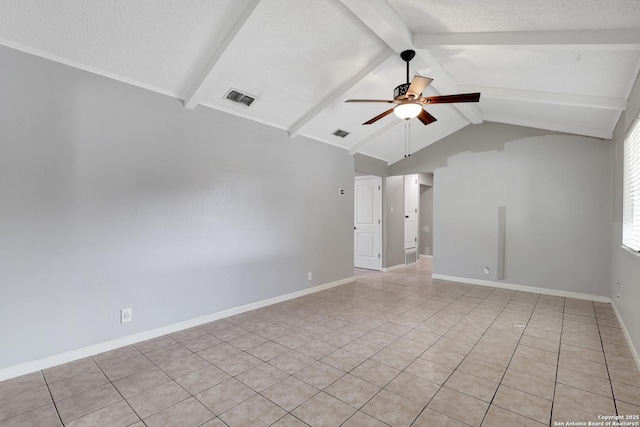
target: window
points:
(631, 214)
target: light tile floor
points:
(396, 349)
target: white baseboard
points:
(395, 267)
(523, 288)
(627, 337)
(423, 256)
(70, 356)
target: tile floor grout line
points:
(512, 354)
(606, 364)
(260, 392)
(28, 390)
(401, 371)
(444, 382)
(463, 359)
(465, 356)
(416, 358)
(116, 388)
(370, 357)
(54, 401)
(555, 385)
(398, 374)
(55, 406)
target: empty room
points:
(319, 213)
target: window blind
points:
(631, 214)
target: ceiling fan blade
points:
(378, 117)
(370, 100)
(450, 99)
(426, 118)
(418, 85)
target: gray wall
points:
(557, 192)
(625, 265)
(393, 222)
(367, 165)
(425, 179)
(112, 196)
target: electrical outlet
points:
(309, 276)
(126, 315)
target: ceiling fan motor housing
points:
(400, 91)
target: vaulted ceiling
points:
(561, 65)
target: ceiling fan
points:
(409, 100)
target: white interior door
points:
(367, 229)
(410, 211)
(410, 227)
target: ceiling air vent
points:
(341, 133)
(240, 98)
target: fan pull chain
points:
(407, 138)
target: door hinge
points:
(416, 209)
(378, 255)
(378, 187)
(415, 239)
(378, 221)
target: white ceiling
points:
(562, 65)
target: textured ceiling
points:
(563, 65)
(436, 16)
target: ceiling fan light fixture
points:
(409, 100)
(407, 110)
